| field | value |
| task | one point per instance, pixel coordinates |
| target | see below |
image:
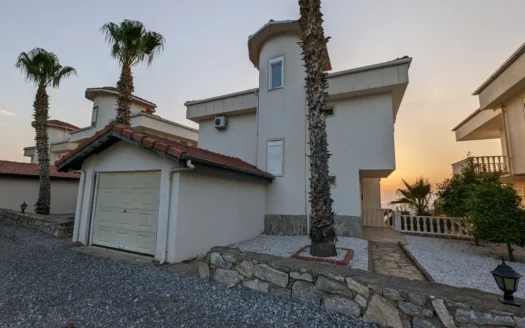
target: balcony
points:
(492, 164)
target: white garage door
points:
(126, 211)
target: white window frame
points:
(94, 117)
(268, 142)
(271, 63)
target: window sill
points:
(277, 88)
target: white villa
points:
(501, 115)
(143, 191)
(64, 137)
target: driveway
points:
(44, 283)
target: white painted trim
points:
(271, 63)
(93, 208)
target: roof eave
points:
(102, 90)
(185, 156)
(466, 119)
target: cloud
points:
(6, 113)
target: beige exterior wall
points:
(243, 102)
(361, 141)
(282, 116)
(16, 190)
(226, 211)
(371, 193)
(166, 129)
(238, 140)
(516, 130)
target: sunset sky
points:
(455, 46)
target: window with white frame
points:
(276, 78)
(94, 115)
(274, 157)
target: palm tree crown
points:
(416, 196)
(43, 68)
(131, 44)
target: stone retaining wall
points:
(385, 300)
(296, 225)
(53, 225)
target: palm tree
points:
(416, 196)
(313, 44)
(131, 44)
(43, 69)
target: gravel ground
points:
(285, 246)
(43, 283)
(456, 263)
(341, 253)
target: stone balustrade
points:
(57, 226)
(378, 217)
(384, 300)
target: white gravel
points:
(285, 246)
(455, 263)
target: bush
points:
(496, 213)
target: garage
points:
(126, 211)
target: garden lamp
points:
(23, 207)
(507, 280)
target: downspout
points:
(257, 129)
(507, 145)
(78, 210)
(189, 166)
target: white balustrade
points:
(378, 217)
(431, 225)
(491, 163)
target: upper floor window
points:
(274, 157)
(329, 111)
(94, 116)
(276, 79)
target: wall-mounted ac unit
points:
(221, 122)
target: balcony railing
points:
(378, 217)
(484, 164)
(431, 225)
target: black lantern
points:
(507, 280)
(23, 207)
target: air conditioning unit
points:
(221, 122)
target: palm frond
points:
(63, 73)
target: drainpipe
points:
(78, 210)
(189, 166)
(506, 135)
(257, 129)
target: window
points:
(332, 180)
(274, 157)
(94, 116)
(329, 111)
(276, 79)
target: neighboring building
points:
(146, 194)
(58, 133)
(64, 137)
(19, 183)
(501, 115)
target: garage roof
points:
(32, 170)
(171, 149)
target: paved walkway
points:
(387, 256)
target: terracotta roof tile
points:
(30, 169)
(62, 124)
(172, 148)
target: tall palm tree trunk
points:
(126, 88)
(313, 44)
(41, 108)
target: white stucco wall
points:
(238, 140)
(16, 190)
(360, 138)
(107, 104)
(371, 190)
(282, 116)
(214, 211)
